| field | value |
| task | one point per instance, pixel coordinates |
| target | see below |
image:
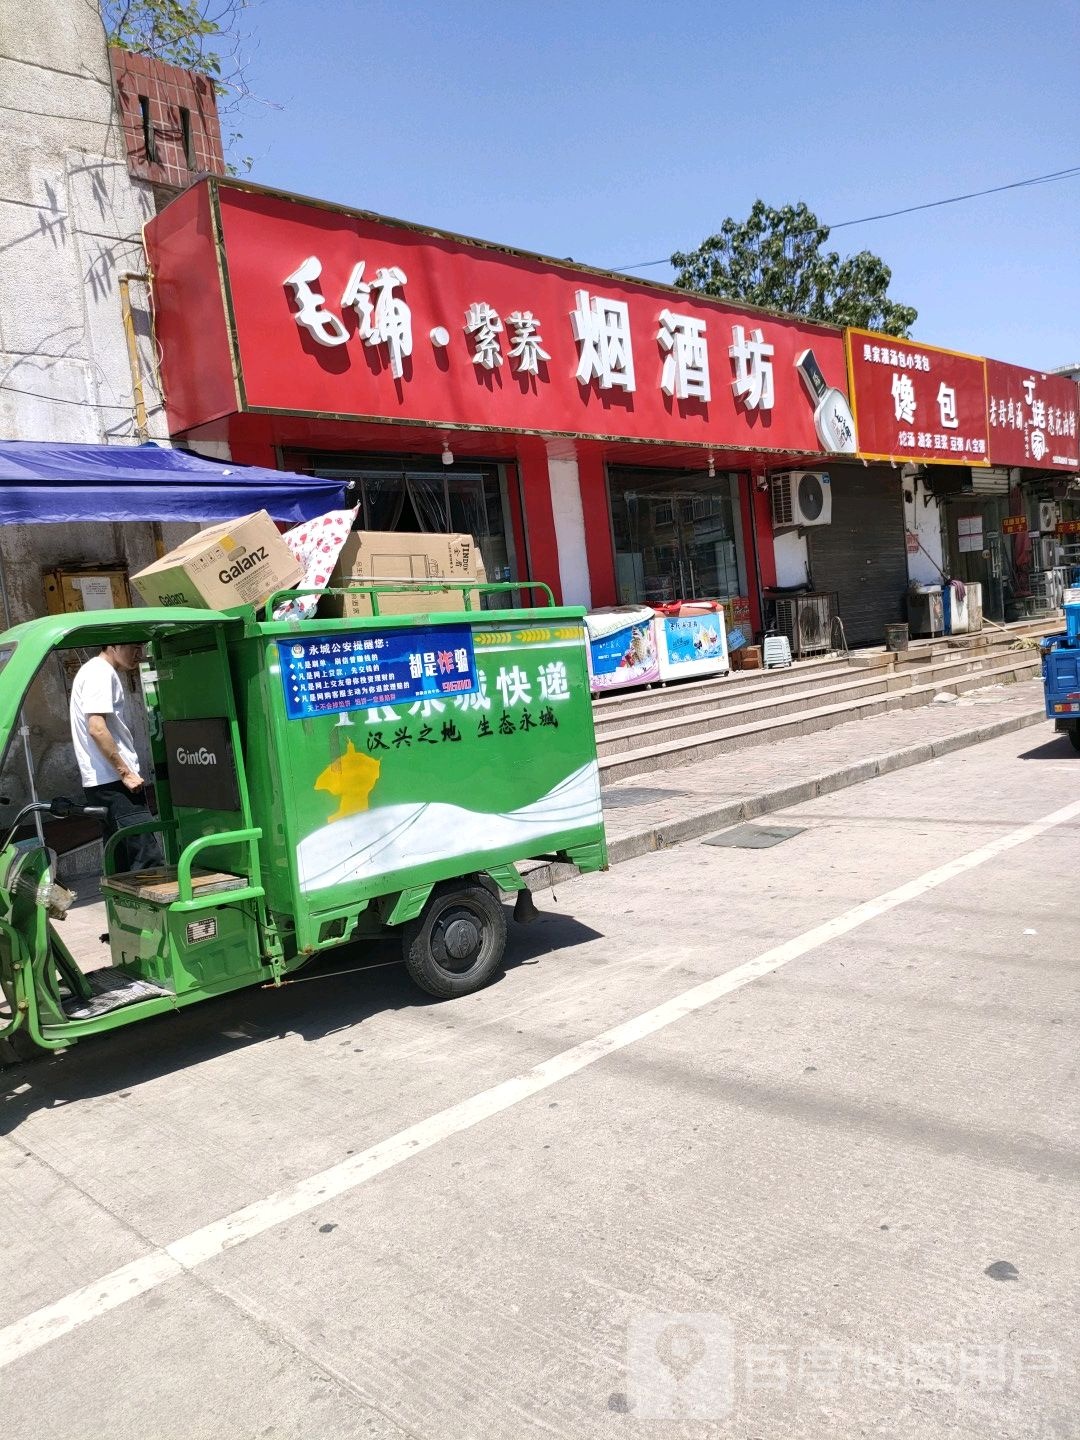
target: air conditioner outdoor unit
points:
(806, 620)
(801, 497)
(1049, 515)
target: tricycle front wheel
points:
(456, 944)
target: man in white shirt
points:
(105, 750)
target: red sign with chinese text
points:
(1067, 527)
(917, 402)
(339, 314)
(1033, 418)
(1015, 525)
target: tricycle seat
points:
(161, 886)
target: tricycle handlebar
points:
(60, 809)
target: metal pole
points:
(4, 596)
(24, 731)
(759, 591)
(141, 425)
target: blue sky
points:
(616, 133)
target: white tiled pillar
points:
(569, 526)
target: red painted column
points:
(764, 532)
(599, 546)
(516, 502)
(540, 541)
(250, 442)
(252, 452)
(758, 543)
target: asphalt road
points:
(832, 1193)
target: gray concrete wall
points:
(70, 225)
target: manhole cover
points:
(754, 837)
(636, 795)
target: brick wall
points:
(154, 100)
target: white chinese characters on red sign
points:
(356, 317)
(600, 326)
(915, 401)
(1033, 418)
(906, 403)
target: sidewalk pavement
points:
(664, 807)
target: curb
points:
(629, 847)
(546, 875)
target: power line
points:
(972, 195)
(1068, 174)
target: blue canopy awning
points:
(46, 484)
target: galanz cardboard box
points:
(239, 563)
(376, 557)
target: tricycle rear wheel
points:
(456, 944)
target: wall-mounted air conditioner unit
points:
(801, 497)
(1049, 515)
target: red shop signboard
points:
(1033, 418)
(338, 313)
(917, 402)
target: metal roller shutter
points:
(862, 555)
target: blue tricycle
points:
(1061, 676)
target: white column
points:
(569, 527)
(922, 518)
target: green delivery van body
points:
(316, 782)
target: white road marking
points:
(24, 1336)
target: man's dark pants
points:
(127, 807)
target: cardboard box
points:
(372, 557)
(737, 620)
(748, 658)
(239, 563)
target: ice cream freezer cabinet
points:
(691, 641)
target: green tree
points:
(777, 259)
(179, 31)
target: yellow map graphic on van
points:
(351, 778)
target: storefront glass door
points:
(976, 554)
(678, 536)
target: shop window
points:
(678, 536)
(425, 496)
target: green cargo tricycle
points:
(316, 782)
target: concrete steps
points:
(653, 730)
(621, 712)
(847, 688)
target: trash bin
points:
(896, 637)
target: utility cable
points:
(1068, 174)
